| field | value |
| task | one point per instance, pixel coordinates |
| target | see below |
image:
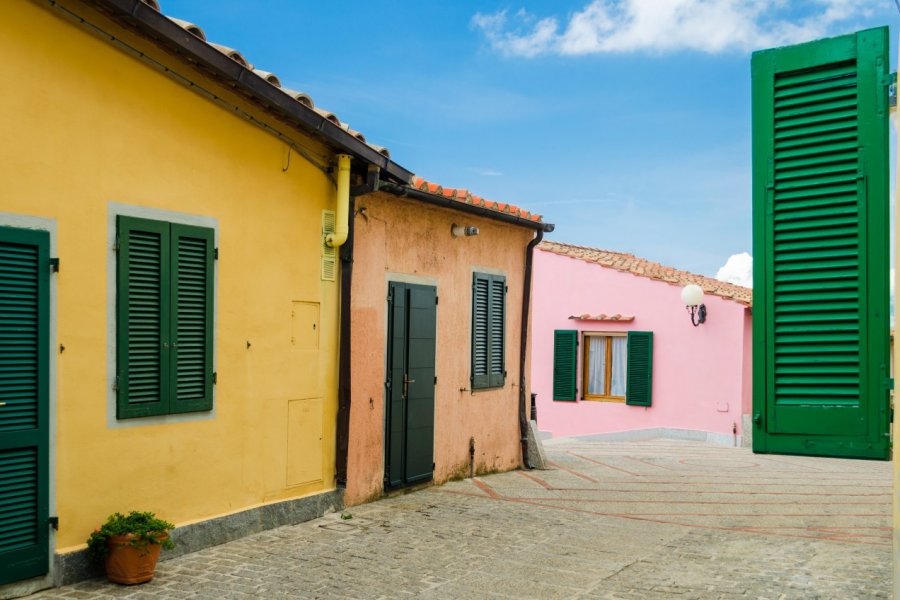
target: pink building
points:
(615, 352)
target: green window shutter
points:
(820, 237)
(192, 318)
(497, 329)
(565, 363)
(639, 383)
(480, 333)
(488, 330)
(142, 318)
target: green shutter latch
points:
(215, 254)
(54, 265)
(215, 377)
(54, 523)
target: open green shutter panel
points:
(565, 362)
(24, 403)
(639, 378)
(497, 328)
(480, 332)
(192, 314)
(142, 317)
(820, 239)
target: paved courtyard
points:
(642, 520)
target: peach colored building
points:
(437, 385)
(615, 352)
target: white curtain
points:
(619, 364)
(596, 385)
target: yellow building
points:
(168, 304)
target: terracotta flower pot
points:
(127, 564)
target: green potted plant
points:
(130, 546)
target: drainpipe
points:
(523, 346)
(342, 204)
(344, 366)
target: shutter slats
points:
(488, 330)
(639, 383)
(565, 361)
(18, 511)
(19, 330)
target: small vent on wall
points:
(329, 253)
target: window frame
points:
(491, 379)
(585, 366)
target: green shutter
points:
(497, 329)
(24, 403)
(142, 318)
(565, 364)
(639, 383)
(192, 318)
(488, 330)
(820, 313)
(164, 318)
(480, 309)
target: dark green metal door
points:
(24, 402)
(820, 311)
(409, 443)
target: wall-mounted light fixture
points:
(692, 295)
(461, 230)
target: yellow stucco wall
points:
(405, 240)
(86, 124)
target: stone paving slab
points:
(645, 520)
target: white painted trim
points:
(50, 226)
(115, 209)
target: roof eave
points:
(447, 202)
(166, 33)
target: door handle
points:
(406, 382)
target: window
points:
(614, 367)
(488, 331)
(605, 362)
(164, 318)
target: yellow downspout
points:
(342, 203)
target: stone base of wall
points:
(74, 566)
(636, 435)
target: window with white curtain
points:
(605, 366)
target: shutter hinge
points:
(215, 254)
(505, 289)
(54, 265)
(435, 300)
(54, 523)
(215, 377)
(435, 380)
(116, 244)
(116, 384)
(892, 89)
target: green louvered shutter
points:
(480, 333)
(497, 329)
(565, 363)
(820, 315)
(24, 403)
(142, 318)
(639, 378)
(193, 258)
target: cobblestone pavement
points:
(642, 520)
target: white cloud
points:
(738, 269)
(711, 26)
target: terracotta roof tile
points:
(630, 263)
(463, 195)
(602, 317)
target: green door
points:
(820, 244)
(409, 432)
(24, 402)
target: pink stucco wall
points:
(701, 375)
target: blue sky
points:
(624, 122)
